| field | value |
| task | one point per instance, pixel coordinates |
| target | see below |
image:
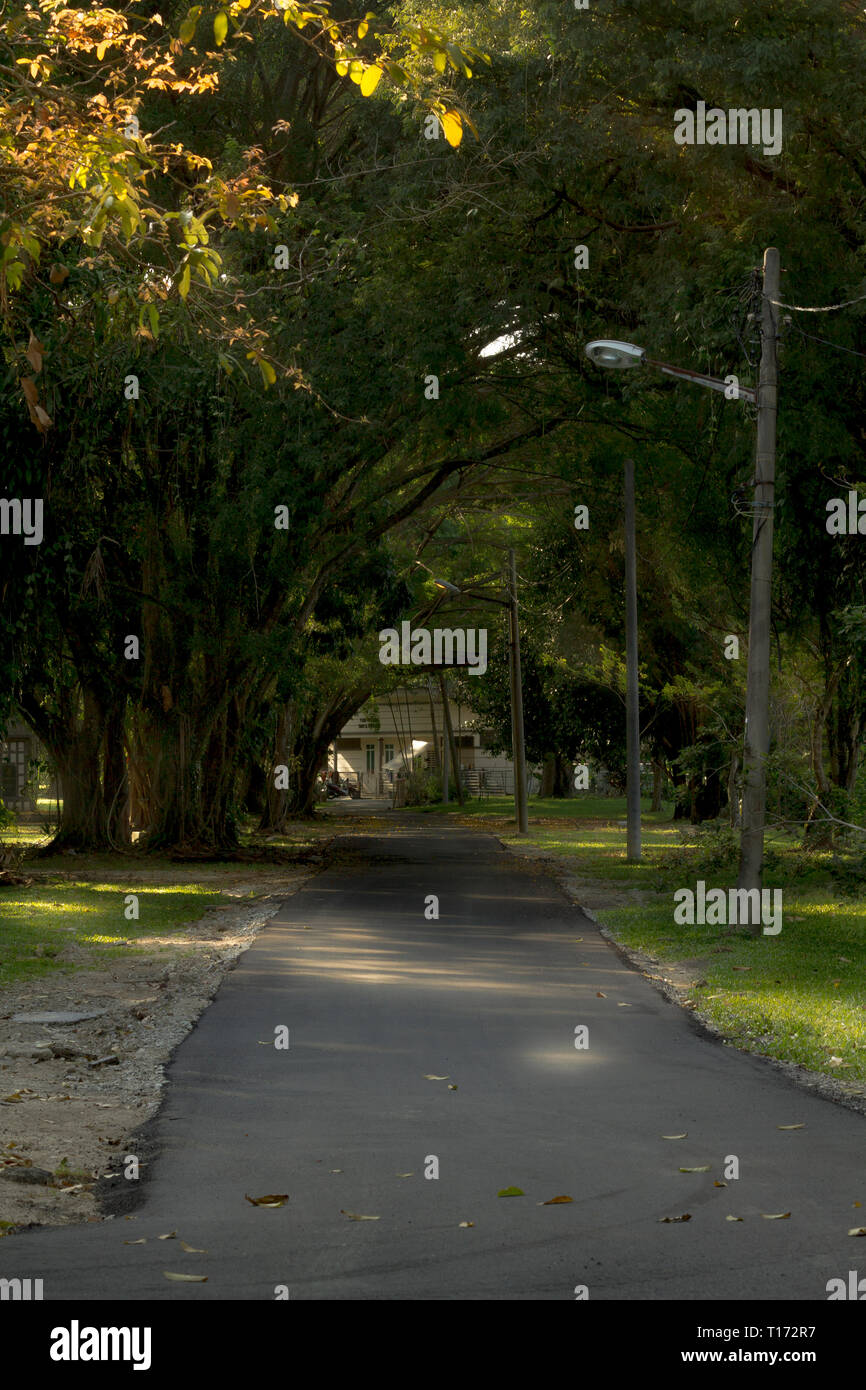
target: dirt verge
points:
(72, 1091)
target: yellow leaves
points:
(704, 1169)
(802, 1126)
(183, 283)
(684, 1135)
(733, 1218)
(776, 1216)
(185, 1278)
(465, 1225)
(452, 127)
(370, 81)
(269, 376)
(556, 1201)
(857, 1231)
(220, 28)
(511, 1192)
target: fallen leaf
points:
(143, 1241)
(686, 1216)
(429, 1077)
(733, 1218)
(837, 1062)
(170, 1236)
(556, 1201)
(272, 1200)
(719, 1184)
(192, 1249)
(465, 1224)
(857, 1231)
(336, 1170)
(599, 994)
(452, 1088)
(802, 1126)
(353, 1216)
(856, 1204)
(405, 1175)
(776, 1216)
(186, 1278)
(621, 1005)
(511, 1192)
(704, 1169)
(741, 967)
(675, 1136)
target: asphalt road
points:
(375, 997)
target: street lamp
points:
(521, 814)
(616, 355)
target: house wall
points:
(406, 717)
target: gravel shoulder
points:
(72, 1092)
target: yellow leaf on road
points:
(704, 1169)
(675, 1136)
(186, 1278)
(556, 1201)
(354, 1216)
(776, 1216)
(791, 1126)
(278, 1199)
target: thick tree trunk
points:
(556, 780)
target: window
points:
(389, 752)
(371, 757)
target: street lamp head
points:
(446, 587)
(606, 352)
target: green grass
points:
(40, 920)
(801, 997)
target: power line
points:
(822, 309)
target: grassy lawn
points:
(40, 920)
(799, 996)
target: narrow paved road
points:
(375, 997)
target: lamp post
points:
(521, 813)
(617, 355)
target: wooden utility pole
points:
(757, 732)
(632, 703)
(449, 727)
(517, 740)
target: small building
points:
(403, 731)
(19, 746)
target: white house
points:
(406, 729)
